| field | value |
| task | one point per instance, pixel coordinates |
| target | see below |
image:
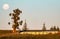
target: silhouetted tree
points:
(44, 28)
(54, 27)
(51, 28)
(57, 28)
(25, 26)
(15, 17)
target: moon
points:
(5, 6)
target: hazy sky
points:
(36, 12)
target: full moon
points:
(6, 6)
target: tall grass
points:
(11, 35)
(27, 36)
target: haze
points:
(36, 12)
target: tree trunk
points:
(14, 30)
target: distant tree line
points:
(54, 28)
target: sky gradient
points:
(36, 12)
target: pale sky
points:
(36, 12)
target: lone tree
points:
(25, 26)
(16, 18)
(44, 28)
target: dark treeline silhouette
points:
(54, 28)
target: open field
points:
(10, 35)
(5, 31)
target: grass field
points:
(5, 31)
(9, 35)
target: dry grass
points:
(27, 36)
